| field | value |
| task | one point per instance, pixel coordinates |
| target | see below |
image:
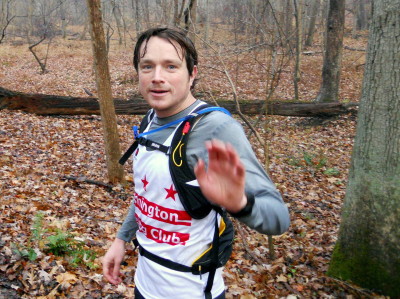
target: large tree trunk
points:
(329, 91)
(368, 249)
(61, 105)
(103, 82)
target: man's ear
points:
(194, 74)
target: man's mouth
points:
(158, 91)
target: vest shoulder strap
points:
(143, 124)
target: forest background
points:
(59, 214)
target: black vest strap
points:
(154, 145)
(196, 269)
(214, 262)
(128, 153)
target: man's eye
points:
(146, 67)
(171, 67)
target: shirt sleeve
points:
(269, 214)
(128, 229)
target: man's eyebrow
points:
(147, 60)
(144, 60)
(174, 61)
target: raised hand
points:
(223, 182)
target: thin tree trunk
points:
(137, 16)
(329, 91)
(311, 26)
(30, 20)
(39, 61)
(207, 21)
(63, 20)
(117, 16)
(192, 20)
(103, 81)
(298, 7)
(289, 20)
(176, 13)
(361, 14)
(367, 250)
(84, 31)
(146, 13)
(5, 19)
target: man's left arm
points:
(257, 203)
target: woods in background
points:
(282, 31)
(24, 20)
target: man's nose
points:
(158, 75)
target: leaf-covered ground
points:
(53, 181)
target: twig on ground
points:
(83, 179)
(104, 220)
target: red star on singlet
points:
(145, 183)
(170, 192)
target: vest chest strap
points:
(154, 145)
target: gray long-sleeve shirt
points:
(269, 214)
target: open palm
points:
(223, 182)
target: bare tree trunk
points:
(361, 15)
(30, 20)
(109, 121)
(207, 21)
(41, 63)
(192, 17)
(329, 90)
(6, 19)
(289, 20)
(176, 13)
(367, 250)
(181, 12)
(311, 25)
(135, 5)
(84, 31)
(117, 16)
(63, 20)
(298, 7)
(146, 13)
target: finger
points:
(217, 150)
(116, 273)
(240, 170)
(233, 155)
(199, 169)
(108, 276)
(235, 161)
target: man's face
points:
(164, 80)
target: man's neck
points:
(183, 113)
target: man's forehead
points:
(155, 39)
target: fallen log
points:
(43, 104)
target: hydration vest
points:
(192, 199)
